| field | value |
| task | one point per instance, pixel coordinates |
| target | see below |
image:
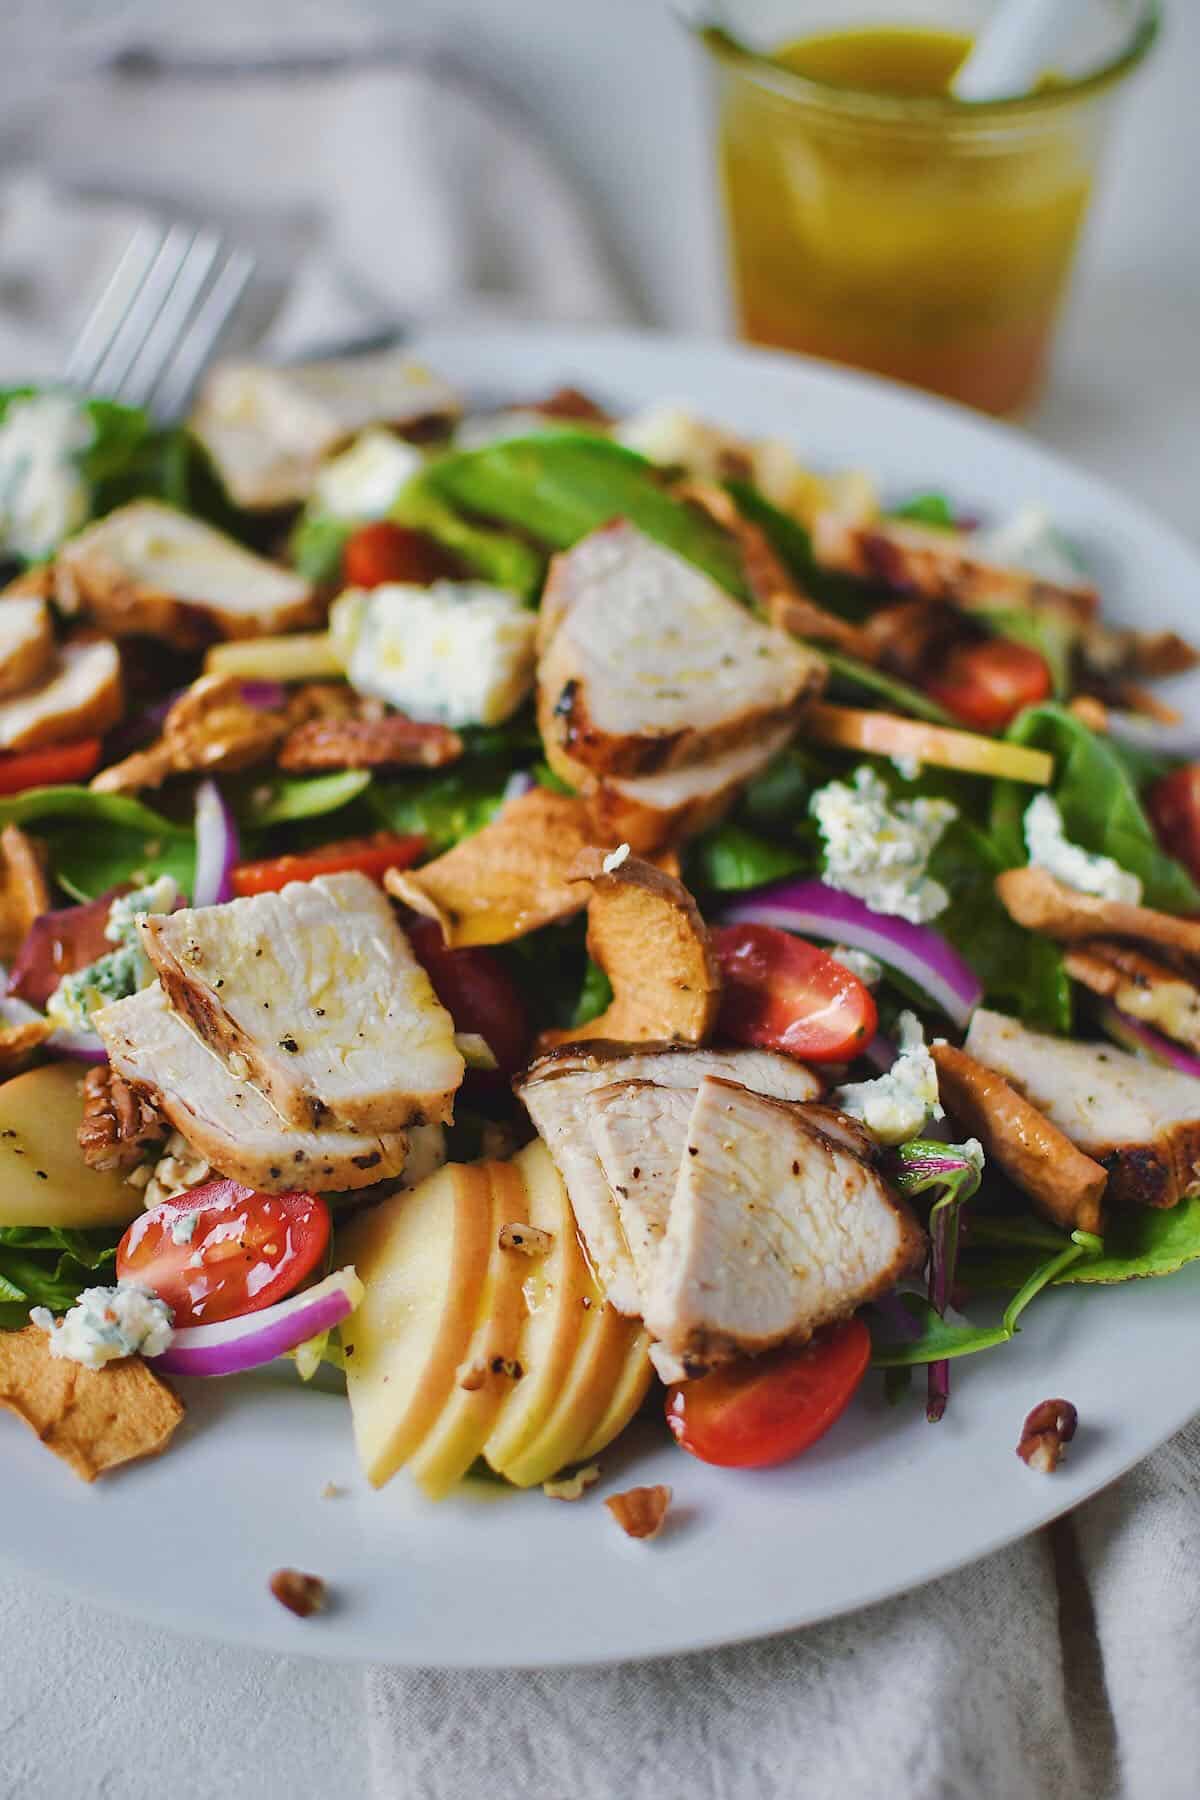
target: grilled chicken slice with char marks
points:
(555, 1088)
(646, 664)
(776, 1229)
(1064, 1184)
(1137, 1120)
(226, 1119)
(314, 994)
(1154, 992)
(647, 811)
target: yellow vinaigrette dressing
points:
(925, 247)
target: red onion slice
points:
(814, 910)
(217, 847)
(234, 1345)
(1131, 1034)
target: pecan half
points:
(395, 742)
(640, 1511)
(1046, 1433)
(119, 1125)
(301, 1594)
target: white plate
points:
(883, 1503)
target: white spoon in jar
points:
(1016, 47)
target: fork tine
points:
(166, 332)
(204, 333)
(107, 315)
(144, 309)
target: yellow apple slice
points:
(43, 1177)
(422, 1256)
(554, 1289)
(302, 656)
(627, 1396)
(887, 734)
(491, 1367)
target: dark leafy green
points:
(99, 840)
(857, 678)
(1139, 1242)
(730, 858)
(316, 546)
(496, 556)
(1099, 803)
(48, 1266)
(559, 488)
(841, 594)
(594, 996)
(927, 509)
(284, 798)
(442, 808)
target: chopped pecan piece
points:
(640, 1511)
(119, 1125)
(1046, 1433)
(572, 1487)
(302, 1594)
(530, 1240)
(395, 742)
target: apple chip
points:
(94, 1419)
(510, 878)
(646, 933)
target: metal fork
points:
(160, 317)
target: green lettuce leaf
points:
(558, 488)
(1099, 803)
(1139, 1243)
(730, 858)
(927, 509)
(99, 840)
(315, 547)
(856, 678)
(48, 1266)
(496, 556)
(443, 808)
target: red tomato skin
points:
(985, 685)
(782, 993)
(369, 856)
(253, 1249)
(386, 552)
(1174, 807)
(476, 991)
(769, 1409)
(52, 767)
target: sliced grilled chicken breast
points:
(639, 1132)
(647, 664)
(269, 429)
(1138, 1121)
(647, 811)
(150, 571)
(942, 565)
(226, 1119)
(776, 1228)
(314, 994)
(26, 642)
(554, 1089)
(80, 695)
(1140, 986)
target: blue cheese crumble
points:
(895, 1106)
(1051, 849)
(877, 849)
(106, 1324)
(43, 495)
(868, 968)
(119, 972)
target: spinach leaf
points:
(729, 859)
(1021, 972)
(595, 994)
(1139, 1242)
(496, 556)
(99, 840)
(927, 509)
(1099, 803)
(316, 545)
(284, 798)
(558, 488)
(844, 595)
(859, 677)
(777, 799)
(442, 808)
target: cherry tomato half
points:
(780, 992)
(769, 1408)
(386, 552)
(371, 856)
(51, 767)
(220, 1250)
(476, 991)
(1174, 807)
(987, 684)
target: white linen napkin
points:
(376, 192)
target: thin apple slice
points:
(422, 1256)
(627, 1396)
(491, 1368)
(43, 1177)
(554, 1289)
(887, 734)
